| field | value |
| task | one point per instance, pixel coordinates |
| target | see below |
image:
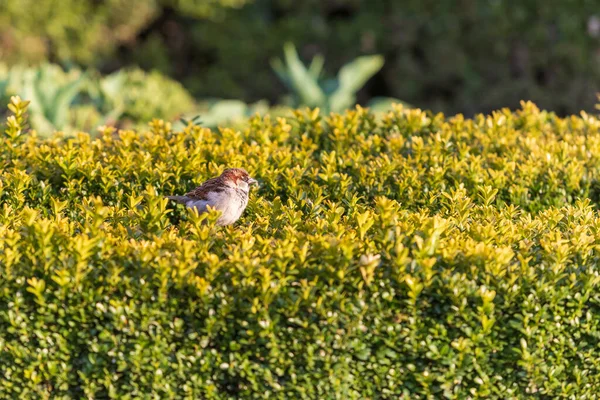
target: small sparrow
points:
(227, 193)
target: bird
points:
(227, 193)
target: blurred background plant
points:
(330, 95)
(74, 100)
(480, 56)
(51, 91)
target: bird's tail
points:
(179, 199)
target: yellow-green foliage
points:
(86, 31)
(415, 257)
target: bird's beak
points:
(252, 181)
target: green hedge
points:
(412, 257)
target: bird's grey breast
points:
(242, 197)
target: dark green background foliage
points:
(452, 56)
(415, 257)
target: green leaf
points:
(304, 84)
(113, 84)
(224, 111)
(316, 67)
(65, 97)
(351, 78)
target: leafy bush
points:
(83, 100)
(413, 256)
(52, 90)
(86, 32)
(310, 90)
(150, 94)
(76, 100)
(69, 30)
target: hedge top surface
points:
(412, 256)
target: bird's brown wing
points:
(201, 192)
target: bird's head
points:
(239, 178)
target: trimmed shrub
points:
(412, 257)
